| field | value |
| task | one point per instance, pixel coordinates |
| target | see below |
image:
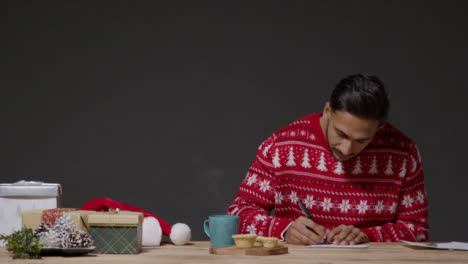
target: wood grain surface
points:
(198, 252)
(233, 250)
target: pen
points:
(306, 212)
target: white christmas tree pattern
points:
(373, 168)
(389, 169)
(305, 160)
(276, 159)
(339, 168)
(357, 167)
(291, 162)
(265, 150)
(321, 165)
(403, 169)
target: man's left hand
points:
(346, 235)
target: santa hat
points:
(180, 233)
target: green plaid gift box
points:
(117, 232)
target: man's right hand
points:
(304, 231)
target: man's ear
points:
(382, 125)
(327, 110)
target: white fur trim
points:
(151, 232)
(180, 234)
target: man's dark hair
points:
(363, 96)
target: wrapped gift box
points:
(21, 196)
(116, 232)
(32, 218)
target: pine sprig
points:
(23, 244)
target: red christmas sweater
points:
(381, 191)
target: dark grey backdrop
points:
(163, 104)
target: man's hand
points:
(346, 235)
(304, 231)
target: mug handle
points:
(206, 226)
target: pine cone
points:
(42, 228)
(77, 239)
(70, 236)
(64, 223)
(87, 240)
(64, 226)
(50, 239)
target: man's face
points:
(347, 135)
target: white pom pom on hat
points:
(151, 232)
(179, 234)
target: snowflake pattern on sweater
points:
(381, 191)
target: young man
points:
(359, 177)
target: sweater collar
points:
(321, 139)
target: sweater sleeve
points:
(410, 221)
(256, 197)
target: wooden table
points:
(197, 252)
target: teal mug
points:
(220, 228)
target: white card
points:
(439, 245)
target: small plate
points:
(66, 251)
